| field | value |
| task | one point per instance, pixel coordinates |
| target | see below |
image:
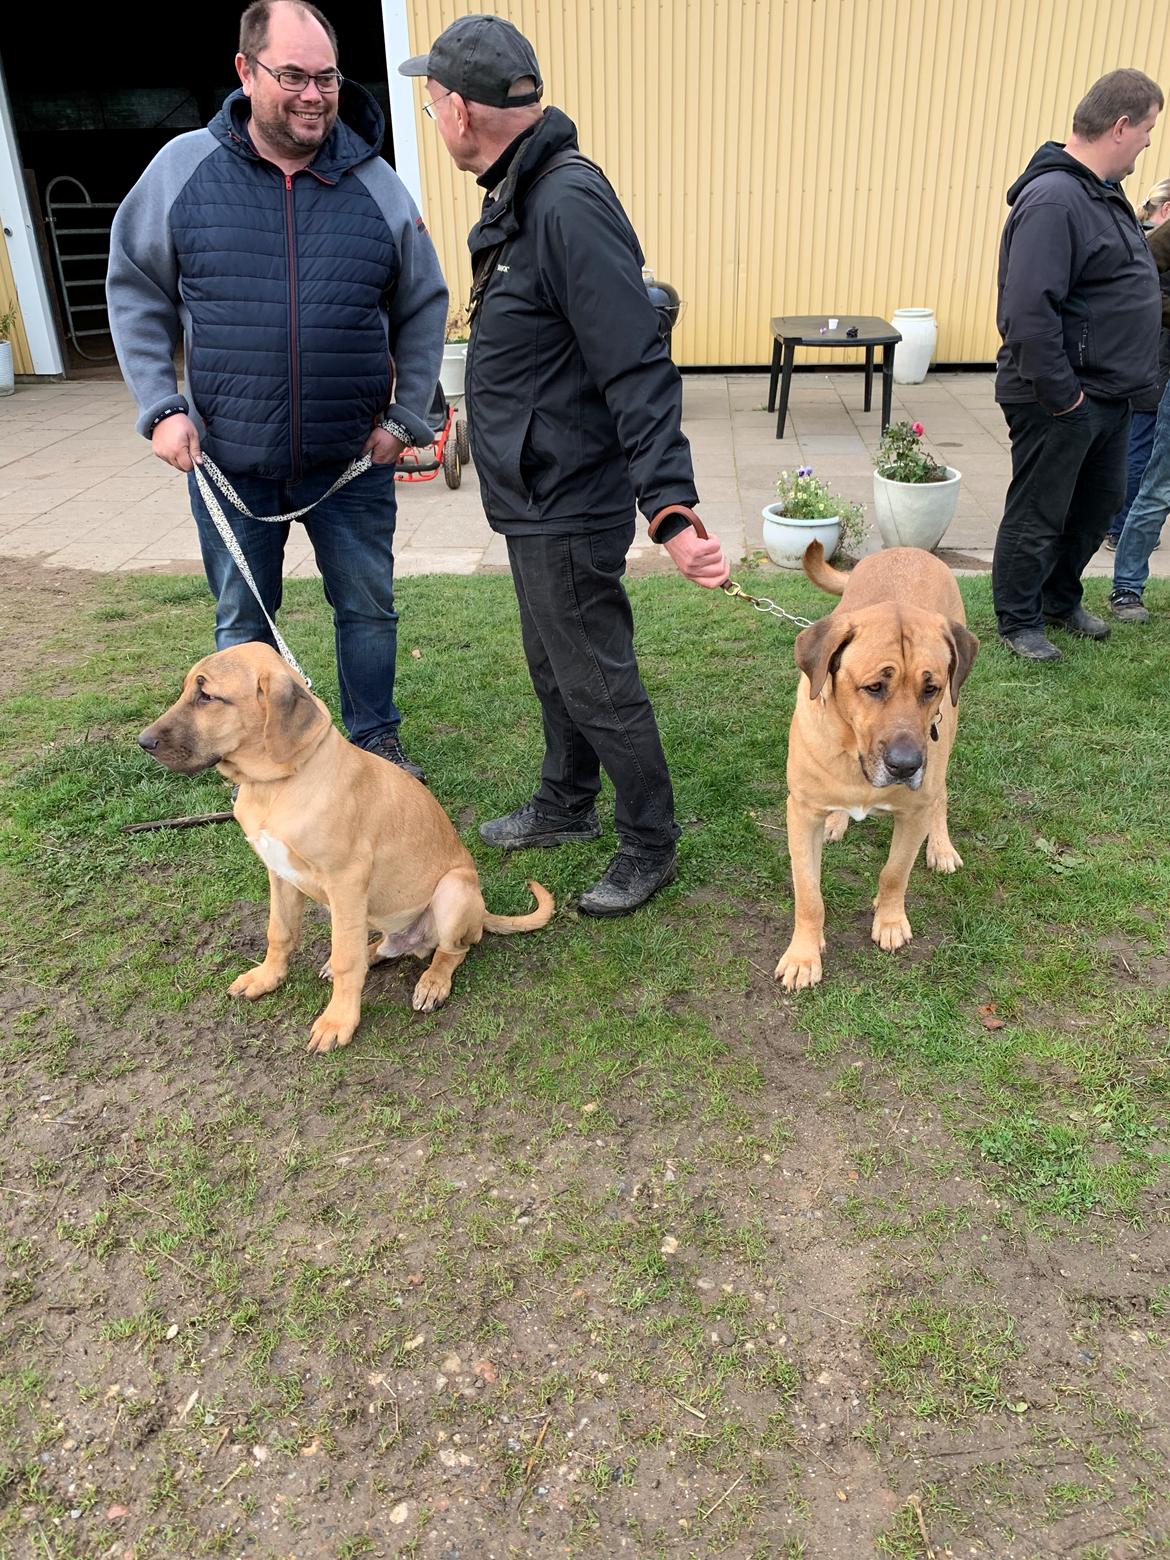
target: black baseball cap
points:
(480, 57)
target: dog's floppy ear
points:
(818, 649)
(964, 647)
(291, 714)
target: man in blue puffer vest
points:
(312, 310)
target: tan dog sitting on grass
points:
(333, 823)
(875, 720)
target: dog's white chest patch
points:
(858, 813)
(274, 854)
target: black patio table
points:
(811, 330)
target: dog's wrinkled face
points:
(241, 710)
(887, 675)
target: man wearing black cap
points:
(574, 409)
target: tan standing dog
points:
(331, 823)
(875, 720)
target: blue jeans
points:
(352, 536)
(1141, 442)
(1147, 513)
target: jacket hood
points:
(356, 135)
(1052, 158)
(555, 132)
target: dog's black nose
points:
(148, 739)
(903, 757)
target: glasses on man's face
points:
(429, 105)
(325, 81)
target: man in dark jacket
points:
(1079, 313)
(292, 261)
(575, 411)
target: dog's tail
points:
(541, 916)
(820, 573)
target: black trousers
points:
(578, 635)
(1068, 480)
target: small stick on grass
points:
(703, 1515)
(916, 1507)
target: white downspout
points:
(403, 124)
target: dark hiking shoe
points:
(1033, 644)
(390, 748)
(529, 829)
(1081, 624)
(1126, 607)
(628, 882)
(1111, 541)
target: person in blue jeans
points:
(352, 537)
(1153, 212)
(288, 257)
(1143, 526)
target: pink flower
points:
(917, 428)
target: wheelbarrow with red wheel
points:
(449, 452)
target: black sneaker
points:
(628, 882)
(1126, 607)
(1111, 541)
(1079, 623)
(390, 748)
(1033, 644)
(529, 829)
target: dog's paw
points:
(330, 1033)
(430, 993)
(891, 930)
(799, 966)
(255, 983)
(835, 825)
(942, 857)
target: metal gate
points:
(79, 235)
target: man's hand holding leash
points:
(176, 441)
(699, 557)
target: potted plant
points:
(7, 377)
(454, 354)
(805, 511)
(914, 497)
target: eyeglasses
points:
(326, 81)
(429, 105)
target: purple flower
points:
(804, 471)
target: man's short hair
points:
(254, 25)
(1128, 94)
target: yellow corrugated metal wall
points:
(812, 156)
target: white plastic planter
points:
(7, 377)
(915, 514)
(786, 537)
(451, 375)
(913, 354)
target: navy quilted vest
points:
(284, 278)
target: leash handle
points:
(688, 515)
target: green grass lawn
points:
(624, 1245)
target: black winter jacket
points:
(1078, 290)
(574, 405)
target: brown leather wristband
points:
(685, 512)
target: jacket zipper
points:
(294, 365)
